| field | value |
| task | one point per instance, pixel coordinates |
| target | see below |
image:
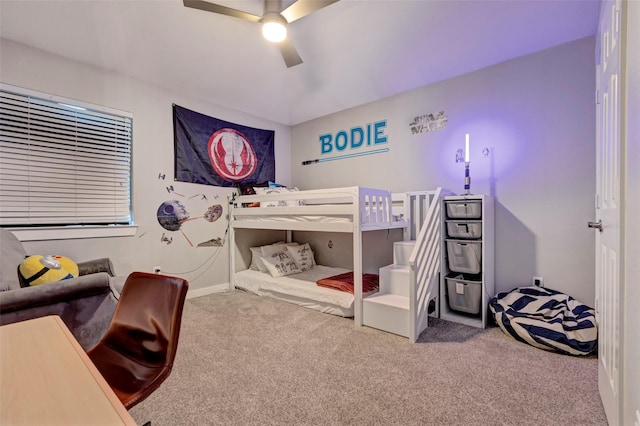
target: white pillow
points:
(269, 249)
(280, 264)
(256, 259)
(259, 253)
(303, 256)
(280, 203)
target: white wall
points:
(152, 155)
(535, 115)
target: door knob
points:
(597, 225)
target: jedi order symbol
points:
(232, 155)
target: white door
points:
(608, 306)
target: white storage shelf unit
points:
(467, 275)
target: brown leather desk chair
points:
(136, 353)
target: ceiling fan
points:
(274, 20)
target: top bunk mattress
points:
(300, 289)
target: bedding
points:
(280, 264)
(344, 282)
(300, 289)
(257, 254)
(256, 259)
(278, 190)
(271, 249)
(302, 255)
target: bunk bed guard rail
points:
(370, 208)
(424, 264)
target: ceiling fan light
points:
(274, 28)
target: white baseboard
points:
(197, 292)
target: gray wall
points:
(536, 117)
(152, 155)
(534, 114)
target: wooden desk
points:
(46, 378)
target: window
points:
(62, 162)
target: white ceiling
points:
(354, 51)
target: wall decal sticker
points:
(215, 242)
(213, 213)
(428, 123)
(171, 191)
(171, 214)
(186, 238)
(342, 157)
(355, 142)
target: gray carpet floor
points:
(249, 360)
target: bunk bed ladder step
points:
(402, 252)
(388, 310)
(410, 285)
(394, 279)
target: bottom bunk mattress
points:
(300, 289)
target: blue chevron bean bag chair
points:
(546, 319)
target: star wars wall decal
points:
(175, 216)
(428, 123)
(171, 214)
(170, 190)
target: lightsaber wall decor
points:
(467, 178)
(342, 157)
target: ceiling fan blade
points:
(223, 10)
(302, 8)
(289, 54)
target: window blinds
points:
(62, 163)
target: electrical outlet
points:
(538, 281)
(156, 269)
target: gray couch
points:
(85, 304)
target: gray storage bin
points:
(467, 229)
(464, 295)
(464, 209)
(464, 256)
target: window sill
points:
(73, 232)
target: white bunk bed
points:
(351, 210)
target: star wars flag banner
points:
(215, 152)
